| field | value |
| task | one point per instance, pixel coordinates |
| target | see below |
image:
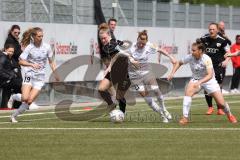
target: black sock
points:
(122, 104)
(209, 100)
(16, 104)
(106, 96)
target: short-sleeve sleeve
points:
(25, 52)
(152, 48)
(49, 51)
(208, 63)
(186, 59)
(227, 48)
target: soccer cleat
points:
(210, 111)
(220, 112)
(13, 119)
(111, 107)
(164, 119)
(224, 91)
(234, 91)
(167, 115)
(183, 121)
(33, 106)
(232, 118)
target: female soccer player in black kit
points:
(109, 49)
(216, 48)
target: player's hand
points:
(57, 78)
(227, 55)
(136, 64)
(36, 66)
(125, 45)
(197, 86)
(170, 77)
(173, 60)
(224, 64)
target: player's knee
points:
(144, 94)
(148, 100)
(24, 99)
(101, 89)
(29, 101)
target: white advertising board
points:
(73, 41)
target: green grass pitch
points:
(41, 136)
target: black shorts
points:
(219, 73)
(123, 85)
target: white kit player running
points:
(142, 77)
(202, 77)
(33, 60)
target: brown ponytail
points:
(143, 33)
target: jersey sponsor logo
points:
(218, 44)
(212, 50)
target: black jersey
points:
(215, 48)
(228, 40)
(8, 69)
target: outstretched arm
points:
(165, 53)
(53, 67)
(208, 76)
(131, 59)
(237, 53)
(177, 65)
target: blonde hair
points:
(103, 28)
(28, 35)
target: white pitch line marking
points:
(187, 129)
(81, 110)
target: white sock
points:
(161, 103)
(153, 104)
(17, 97)
(226, 108)
(114, 99)
(186, 105)
(20, 110)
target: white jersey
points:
(142, 56)
(36, 55)
(199, 66)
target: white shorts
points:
(210, 87)
(141, 83)
(35, 83)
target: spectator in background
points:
(236, 67)
(221, 32)
(13, 39)
(9, 71)
(112, 23)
